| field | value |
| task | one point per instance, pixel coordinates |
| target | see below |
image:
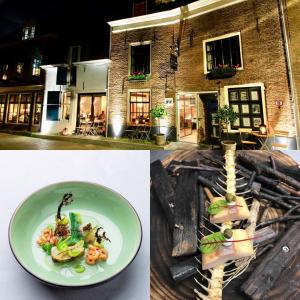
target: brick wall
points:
(263, 58)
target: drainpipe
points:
(108, 89)
(282, 5)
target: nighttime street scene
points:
(151, 74)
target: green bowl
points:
(97, 204)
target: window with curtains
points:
(13, 108)
(140, 59)
(36, 67)
(223, 52)
(66, 106)
(247, 102)
(139, 107)
(2, 107)
(19, 106)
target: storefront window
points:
(38, 109)
(66, 106)
(20, 67)
(24, 110)
(2, 107)
(13, 107)
(247, 102)
(139, 107)
(92, 108)
(4, 71)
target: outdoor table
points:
(263, 139)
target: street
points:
(15, 142)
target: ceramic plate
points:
(96, 204)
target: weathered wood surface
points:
(278, 260)
(185, 215)
(162, 285)
(163, 188)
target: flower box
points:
(138, 77)
(222, 72)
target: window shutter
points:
(53, 106)
(61, 77)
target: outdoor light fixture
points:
(279, 103)
(263, 129)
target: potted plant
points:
(159, 112)
(138, 76)
(226, 116)
(222, 71)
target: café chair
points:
(279, 135)
(244, 139)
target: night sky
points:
(83, 19)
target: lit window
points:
(66, 106)
(2, 106)
(13, 105)
(36, 67)
(140, 59)
(223, 52)
(247, 102)
(139, 107)
(20, 67)
(28, 32)
(4, 71)
(38, 109)
(24, 109)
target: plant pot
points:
(221, 74)
(228, 145)
(160, 139)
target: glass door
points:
(188, 117)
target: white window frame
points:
(129, 54)
(221, 37)
(263, 98)
(128, 100)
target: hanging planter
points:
(138, 77)
(223, 71)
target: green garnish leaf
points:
(212, 242)
(74, 252)
(216, 207)
(79, 268)
(47, 248)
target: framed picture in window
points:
(254, 96)
(234, 96)
(246, 122)
(235, 108)
(255, 108)
(245, 109)
(257, 122)
(236, 123)
(244, 95)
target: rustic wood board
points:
(162, 286)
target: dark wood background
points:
(163, 287)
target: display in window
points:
(235, 108)
(246, 122)
(244, 95)
(245, 109)
(257, 122)
(254, 96)
(256, 109)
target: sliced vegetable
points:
(212, 242)
(75, 220)
(47, 248)
(79, 268)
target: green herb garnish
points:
(216, 207)
(47, 248)
(79, 268)
(212, 242)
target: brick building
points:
(174, 57)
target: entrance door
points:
(209, 105)
(188, 117)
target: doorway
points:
(208, 106)
(196, 117)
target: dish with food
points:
(75, 234)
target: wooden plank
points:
(163, 189)
(185, 215)
(275, 262)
